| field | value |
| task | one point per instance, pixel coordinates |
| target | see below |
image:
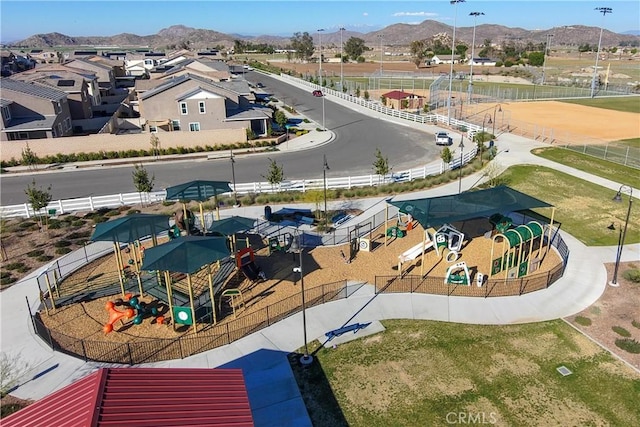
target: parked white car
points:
(443, 138)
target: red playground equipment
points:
(136, 309)
(115, 315)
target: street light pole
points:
(497, 108)
(233, 177)
(604, 11)
(473, 47)
(380, 36)
(460, 168)
(618, 199)
(484, 135)
(296, 247)
(544, 61)
(341, 56)
(325, 168)
(453, 47)
(320, 72)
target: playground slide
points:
(413, 252)
(252, 271)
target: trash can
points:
(491, 143)
(267, 213)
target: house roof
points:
(447, 57)
(33, 89)
(92, 64)
(5, 102)
(24, 124)
(399, 94)
(240, 88)
(255, 112)
(144, 397)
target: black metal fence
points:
(210, 337)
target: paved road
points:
(351, 153)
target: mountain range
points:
(392, 35)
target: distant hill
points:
(392, 35)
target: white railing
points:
(129, 199)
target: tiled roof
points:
(33, 89)
(399, 94)
(37, 123)
(90, 63)
(144, 397)
(5, 102)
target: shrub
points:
(44, 258)
(635, 324)
(7, 281)
(99, 219)
(62, 251)
(26, 224)
(4, 274)
(62, 244)
(632, 275)
(14, 266)
(35, 253)
(133, 212)
(113, 213)
(78, 223)
(55, 225)
(584, 321)
(629, 345)
(78, 235)
(124, 208)
(621, 331)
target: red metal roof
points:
(399, 94)
(144, 397)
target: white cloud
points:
(365, 13)
(430, 14)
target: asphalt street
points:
(351, 153)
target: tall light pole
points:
(296, 247)
(497, 108)
(604, 11)
(233, 177)
(544, 62)
(473, 47)
(380, 36)
(320, 72)
(453, 47)
(618, 199)
(325, 168)
(341, 55)
(461, 146)
(481, 144)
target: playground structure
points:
(458, 274)
(446, 237)
(135, 309)
(517, 255)
(245, 261)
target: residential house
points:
(93, 88)
(192, 103)
(44, 56)
(401, 100)
(104, 73)
(73, 84)
(33, 111)
(445, 59)
(214, 70)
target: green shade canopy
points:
(232, 225)
(436, 211)
(200, 191)
(130, 228)
(186, 254)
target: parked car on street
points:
(443, 138)
(317, 93)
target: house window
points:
(194, 127)
(201, 107)
(175, 124)
(153, 129)
(6, 113)
(183, 108)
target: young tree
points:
(366, 95)
(354, 47)
(536, 59)
(142, 181)
(155, 145)
(29, 158)
(39, 199)
(446, 155)
(315, 197)
(357, 92)
(275, 173)
(381, 165)
(383, 99)
(11, 369)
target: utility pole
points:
(341, 55)
(604, 11)
(473, 47)
(544, 63)
(453, 47)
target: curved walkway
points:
(274, 396)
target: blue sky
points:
(21, 19)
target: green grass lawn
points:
(585, 210)
(426, 373)
(627, 104)
(599, 167)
